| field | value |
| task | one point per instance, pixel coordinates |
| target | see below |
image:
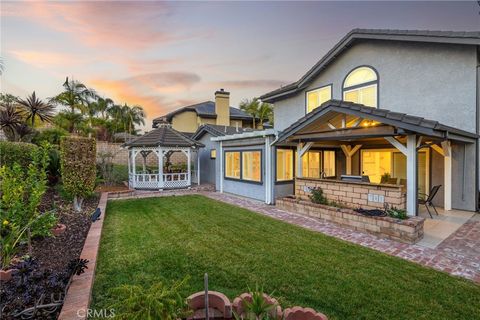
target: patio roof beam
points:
(357, 122)
(349, 152)
(348, 133)
(397, 144)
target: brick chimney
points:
(222, 107)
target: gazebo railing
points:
(152, 181)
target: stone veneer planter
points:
(407, 231)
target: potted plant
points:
(59, 229)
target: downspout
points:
(221, 166)
(477, 149)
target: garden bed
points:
(51, 256)
(408, 231)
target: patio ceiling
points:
(340, 120)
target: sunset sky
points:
(163, 55)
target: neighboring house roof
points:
(163, 136)
(451, 37)
(216, 130)
(205, 110)
(124, 136)
(400, 120)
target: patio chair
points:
(427, 200)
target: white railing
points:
(176, 180)
(152, 181)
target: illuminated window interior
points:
(361, 86)
(252, 165)
(284, 164)
(316, 162)
(318, 96)
(232, 165)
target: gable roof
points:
(216, 130)
(399, 120)
(451, 37)
(163, 136)
(204, 109)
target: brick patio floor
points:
(458, 255)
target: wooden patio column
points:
(412, 175)
(447, 175)
(349, 152)
(301, 150)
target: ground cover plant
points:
(148, 241)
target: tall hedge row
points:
(19, 152)
(78, 159)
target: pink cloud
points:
(100, 24)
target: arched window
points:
(361, 86)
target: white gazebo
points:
(166, 156)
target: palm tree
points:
(33, 108)
(75, 95)
(10, 119)
(68, 120)
(102, 105)
(133, 116)
(258, 110)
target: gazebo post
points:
(133, 167)
(160, 168)
(129, 168)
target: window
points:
(318, 164)
(213, 153)
(361, 86)
(252, 166)
(284, 164)
(329, 163)
(311, 164)
(318, 96)
(232, 165)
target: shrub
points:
(16, 152)
(317, 196)
(397, 213)
(21, 195)
(50, 135)
(77, 160)
(53, 169)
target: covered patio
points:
(391, 154)
(166, 157)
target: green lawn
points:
(164, 239)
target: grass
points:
(164, 239)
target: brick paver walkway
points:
(458, 255)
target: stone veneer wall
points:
(352, 194)
(407, 231)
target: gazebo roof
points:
(164, 136)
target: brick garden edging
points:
(407, 231)
(79, 294)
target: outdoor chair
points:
(427, 200)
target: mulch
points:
(53, 254)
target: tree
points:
(133, 116)
(10, 119)
(260, 111)
(68, 120)
(102, 105)
(74, 96)
(33, 108)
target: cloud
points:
(125, 25)
(46, 59)
(242, 84)
(148, 90)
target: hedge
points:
(16, 152)
(77, 159)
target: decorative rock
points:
(299, 313)
(6, 275)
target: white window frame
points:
(345, 91)
(330, 86)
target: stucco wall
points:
(435, 81)
(185, 122)
(207, 165)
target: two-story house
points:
(388, 107)
(189, 118)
